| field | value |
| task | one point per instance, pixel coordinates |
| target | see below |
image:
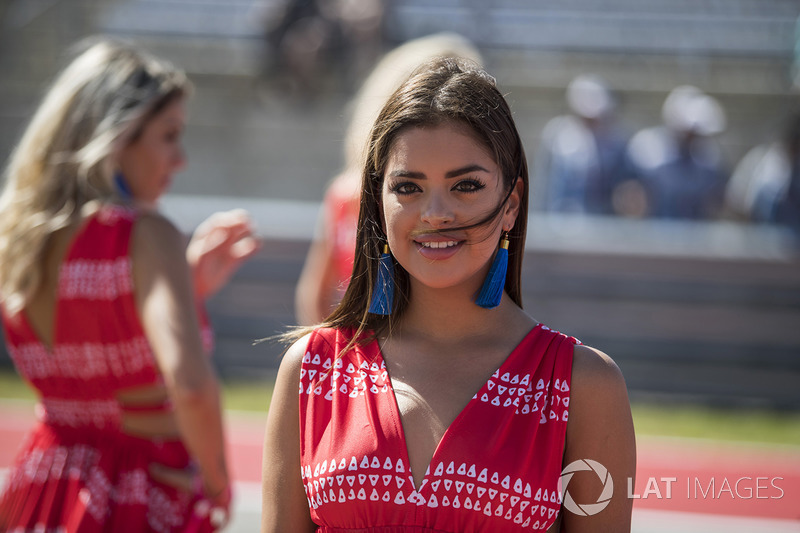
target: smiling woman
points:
(438, 179)
(441, 411)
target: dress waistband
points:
(381, 529)
(160, 407)
(79, 413)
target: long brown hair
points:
(442, 91)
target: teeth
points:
(446, 244)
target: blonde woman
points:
(101, 307)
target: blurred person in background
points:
(308, 40)
(429, 391)
(679, 165)
(765, 186)
(581, 158)
(102, 307)
(329, 262)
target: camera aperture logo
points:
(586, 509)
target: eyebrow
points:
(448, 175)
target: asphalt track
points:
(682, 485)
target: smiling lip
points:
(438, 248)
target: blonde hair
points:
(390, 72)
(64, 160)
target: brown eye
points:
(405, 188)
(469, 185)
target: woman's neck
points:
(441, 314)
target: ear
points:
(513, 204)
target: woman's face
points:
(438, 178)
(150, 161)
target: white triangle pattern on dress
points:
(502, 390)
(330, 378)
(373, 478)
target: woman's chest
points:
(379, 451)
(432, 389)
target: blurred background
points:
(663, 138)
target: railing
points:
(706, 312)
(690, 311)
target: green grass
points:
(247, 395)
(13, 387)
(241, 395)
(746, 425)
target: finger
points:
(245, 248)
(219, 231)
(234, 217)
(239, 234)
(209, 223)
(239, 230)
(240, 215)
(223, 219)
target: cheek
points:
(175, 154)
(391, 220)
(390, 212)
(138, 157)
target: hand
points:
(219, 245)
(211, 506)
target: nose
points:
(437, 211)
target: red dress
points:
(495, 470)
(76, 470)
(341, 205)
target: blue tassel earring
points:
(383, 292)
(493, 285)
(121, 186)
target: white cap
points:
(589, 97)
(687, 108)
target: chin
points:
(442, 282)
(147, 205)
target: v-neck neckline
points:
(395, 407)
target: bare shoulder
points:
(293, 358)
(593, 371)
(283, 410)
(157, 247)
(158, 256)
(284, 505)
(598, 395)
(153, 230)
(284, 397)
(600, 428)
